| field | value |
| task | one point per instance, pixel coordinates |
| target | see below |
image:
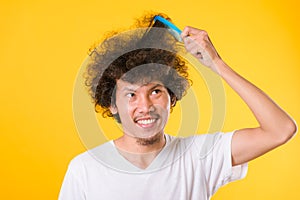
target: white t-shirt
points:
(190, 168)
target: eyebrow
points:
(125, 89)
(156, 85)
(128, 89)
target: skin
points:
(275, 126)
(135, 102)
(144, 111)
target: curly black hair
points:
(148, 51)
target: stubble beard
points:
(149, 141)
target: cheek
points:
(168, 101)
(125, 108)
(165, 102)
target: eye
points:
(156, 91)
(130, 95)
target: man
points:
(139, 89)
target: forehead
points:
(125, 86)
(146, 73)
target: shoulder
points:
(90, 157)
(205, 144)
(210, 139)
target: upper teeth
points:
(146, 121)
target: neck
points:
(140, 151)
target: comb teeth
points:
(175, 34)
(174, 30)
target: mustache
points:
(152, 115)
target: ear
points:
(113, 109)
(173, 101)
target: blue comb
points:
(174, 30)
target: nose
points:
(145, 104)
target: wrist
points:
(218, 66)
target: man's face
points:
(143, 109)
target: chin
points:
(150, 140)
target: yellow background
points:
(43, 44)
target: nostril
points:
(152, 109)
(145, 106)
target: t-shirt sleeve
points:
(218, 163)
(72, 186)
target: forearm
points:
(271, 118)
(275, 126)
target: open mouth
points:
(146, 122)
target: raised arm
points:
(275, 126)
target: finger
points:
(195, 50)
(196, 53)
(185, 32)
(199, 55)
(191, 45)
(188, 31)
(192, 40)
(192, 49)
(188, 41)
